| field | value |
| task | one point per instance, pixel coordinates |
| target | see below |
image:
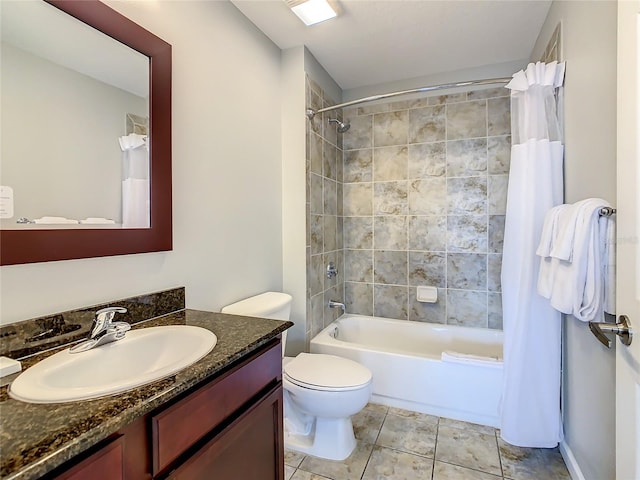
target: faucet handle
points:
(109, 312)
(103, 319)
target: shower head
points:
(342, 126)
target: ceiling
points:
(377, 41)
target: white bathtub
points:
(408, 372)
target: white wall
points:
(588, 45)
(295, 63)
(319, 75)
(294, 194)
(227, 175)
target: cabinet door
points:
(105, 464)
(251, 448)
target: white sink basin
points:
(143, 356)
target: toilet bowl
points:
(321, 392)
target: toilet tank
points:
(274, 305)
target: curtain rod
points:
(489, 81)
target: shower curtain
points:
(135, 181)
(530, 407)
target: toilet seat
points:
(326, 372)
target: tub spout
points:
(334, 304)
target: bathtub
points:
(409, 372)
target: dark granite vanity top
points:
(35, 438)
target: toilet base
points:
(330, 438)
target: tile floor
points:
(396, 444)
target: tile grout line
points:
(472, 469)
(499, 454)
(435, 448)
(375, 442)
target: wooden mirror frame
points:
(31, 246)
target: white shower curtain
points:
(530, 408)
(135, 181)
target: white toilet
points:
(321, 392)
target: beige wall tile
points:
(467, 120)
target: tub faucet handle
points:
(334, 304)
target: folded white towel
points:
(133, 140)
(556, 243)
(549, 231)
(610, 267)
(55, 220)
(571, 273)
(588, 303)
(565, 232)
(97, 220)
(468, 359)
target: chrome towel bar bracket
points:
(622, 329)
(607, 211)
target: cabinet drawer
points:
(105, 464)
(178, 427)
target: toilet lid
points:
(320, 371)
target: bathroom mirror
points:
(51, 242)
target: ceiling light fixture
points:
(312, 11)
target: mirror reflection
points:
(74, 139)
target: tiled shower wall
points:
(424, 200)
(324, 212)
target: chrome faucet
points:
(334, 304)
(103, 330)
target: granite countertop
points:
(36, 438)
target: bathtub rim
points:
(324, 336)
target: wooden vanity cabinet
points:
(105, 464)
(244, 450)
(229, 428)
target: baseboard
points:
(571, 462)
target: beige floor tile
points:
(448, 422)
(292, 458)
(446, 471)
(288, 472)
(387, 464)
(532, 463)
(349, 469)
(376, 407)
(302, 475)
(406, 446)
(468, 448)
(420, 417)
(408, 435)
(367, 424)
